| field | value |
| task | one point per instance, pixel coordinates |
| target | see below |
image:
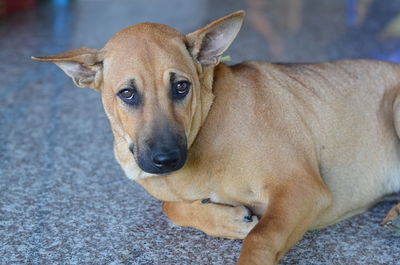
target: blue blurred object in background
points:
(61, 2)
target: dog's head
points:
(152, 82)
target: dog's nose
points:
(166, 160)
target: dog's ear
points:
(83, 65)
(209, 43)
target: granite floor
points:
(63, 198)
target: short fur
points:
(301, 145)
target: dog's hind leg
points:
(392, 220)
(233, 222)
(396, 114)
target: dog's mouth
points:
(160, 162)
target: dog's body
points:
(300, 145)
(282, 118)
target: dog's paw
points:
(236, 222)
(391, 222)
(224, 220)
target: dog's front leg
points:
(218, 220)
(292, 209)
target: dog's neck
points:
(206, 97)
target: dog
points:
(256, 151)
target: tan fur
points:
(301, 145)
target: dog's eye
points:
(128, 95)
(181, 89)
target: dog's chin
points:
(145, 175)
(134, 171)
(156, 172)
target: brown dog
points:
(301, 145)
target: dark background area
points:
(64, 199)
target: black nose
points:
(166, 160)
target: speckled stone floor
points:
(63, 198)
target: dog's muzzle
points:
(166, 161)
(161, 159)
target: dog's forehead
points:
(146, 47)
(142, 37)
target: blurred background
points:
(288, 30)
(64, 199)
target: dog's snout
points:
(162, 152)
(166, 160)
(161, 157)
